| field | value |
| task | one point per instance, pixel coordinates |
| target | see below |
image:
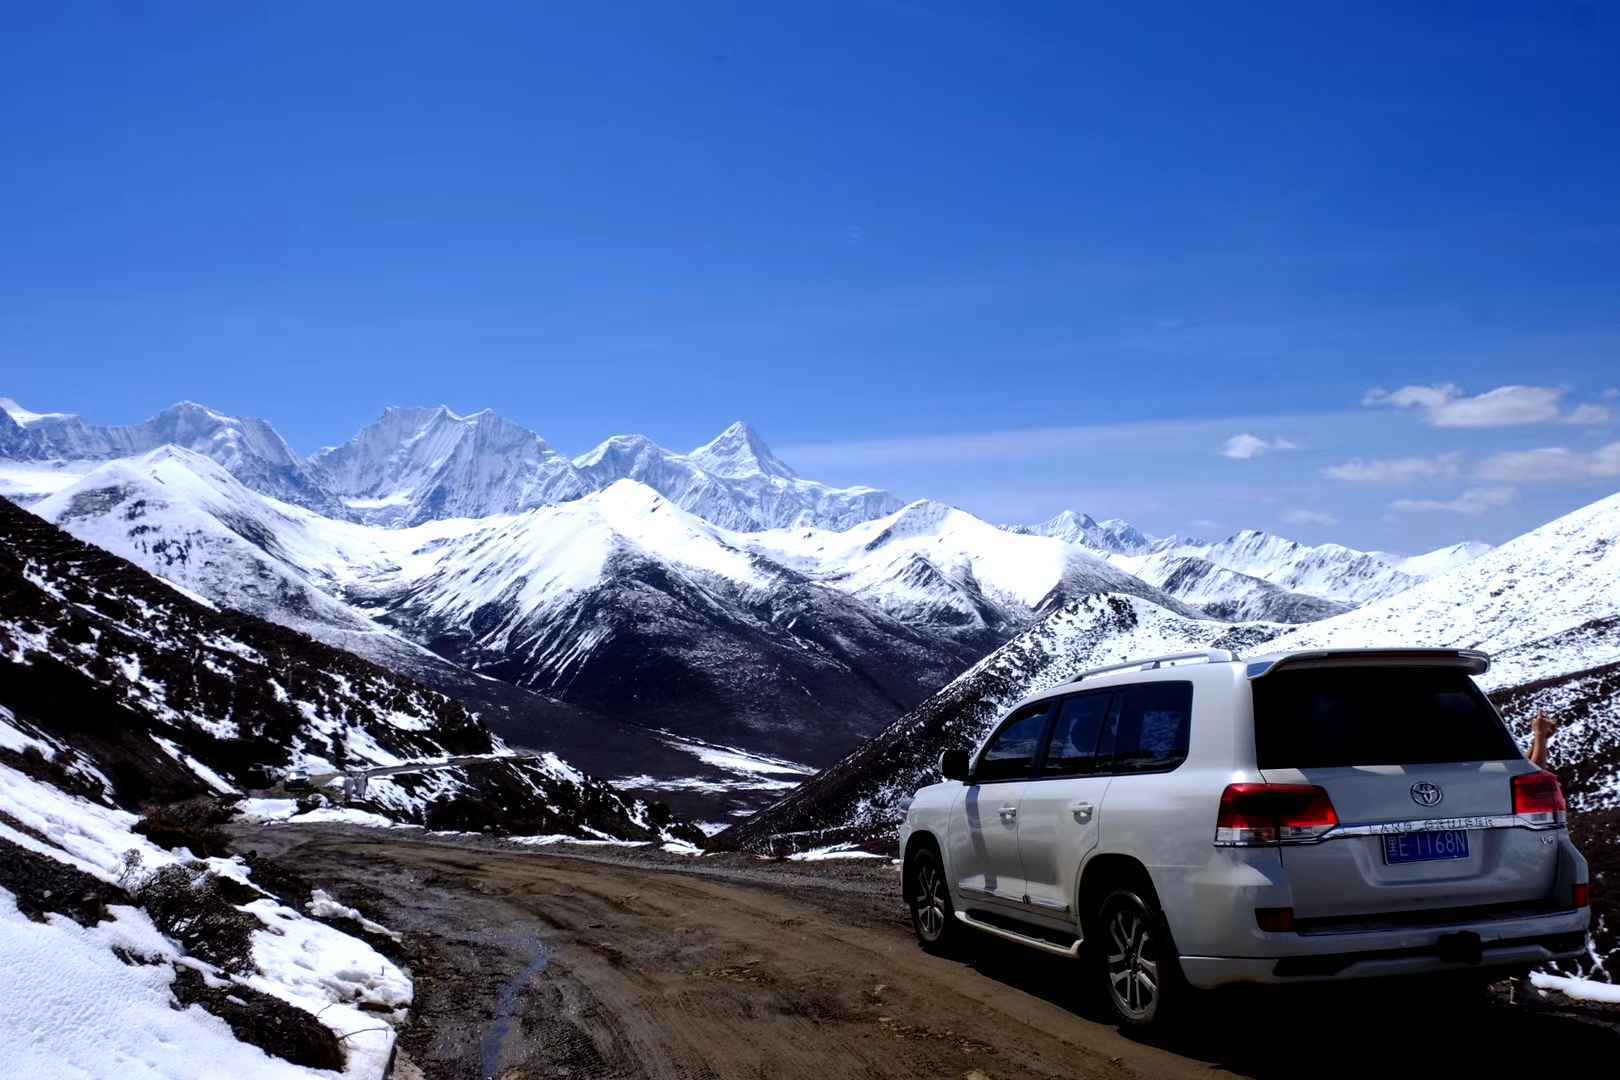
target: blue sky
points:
(1018, 257)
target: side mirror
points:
(953, 764)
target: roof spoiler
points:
(1472, 661)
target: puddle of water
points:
(493, 1045)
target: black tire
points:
(933, 916)
(1136, 962)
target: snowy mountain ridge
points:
(414, 465)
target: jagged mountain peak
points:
(738, 452)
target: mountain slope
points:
(623, 603)
(1328, 571)
(1547, 582)
(1227, 594)
(136, 693)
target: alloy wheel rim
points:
(930, 902)
(1133, 973)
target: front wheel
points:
(1137, 961)
(933, 916)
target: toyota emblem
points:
(1427, 794)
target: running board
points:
(1070, 951)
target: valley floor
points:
(618, 963)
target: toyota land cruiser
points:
(1198, 820)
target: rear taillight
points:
(1257, 814)
(1582, 897)
(1538, 801)
(1275, 920)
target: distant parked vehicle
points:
(296, 781)
(1196, 820)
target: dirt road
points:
(531, 964)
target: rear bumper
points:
(1514, 943)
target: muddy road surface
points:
(612, 964)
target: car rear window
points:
(1325, 717)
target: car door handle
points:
(1008, 812)
(1082, 811)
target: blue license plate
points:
(1425, 846)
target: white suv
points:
(1201, 821)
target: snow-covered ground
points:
(75, 1008)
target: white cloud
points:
(1552, 464)
(1394, 470)
(1611, 394)
(1589, 414)
(1308, 517)
(1245, 446)
(1474, 501)
(1446, 406)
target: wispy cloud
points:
(1474, 501)
(1394, 470)
(1245, 446)
(1589, 414)
(1445, 405)
(1308, 517)
(1552, 464)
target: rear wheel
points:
(1141, 976)
(933, 916)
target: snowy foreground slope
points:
(105, 972)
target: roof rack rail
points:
(1208, 656)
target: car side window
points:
(1072, 749)
(1010, 753)
(1150, 730)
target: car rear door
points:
(1419, 769)
(984, 824)
(1061, 809)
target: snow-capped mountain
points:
(1113, 535)
(789, 642)
(734, 481)
(416, 465)
(249, 449)
(185, 518)
(624, 603)
(1222, 579)
(930, 564)
(603, 601)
